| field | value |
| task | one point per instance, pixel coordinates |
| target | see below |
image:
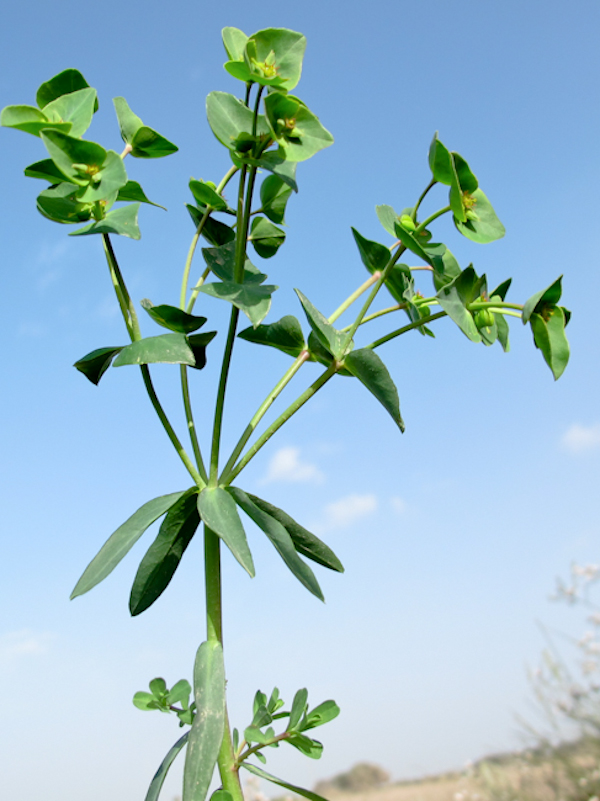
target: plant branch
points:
(354, 296)
(404, 329)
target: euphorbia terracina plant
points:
(266, 133)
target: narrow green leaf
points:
(122, 221)
(133, 191)
(373, 255)
(164, 349)
(281, 783)
(549, 336)
(162, 558)
(218, 510)
(76, 107)
(94, 364)
(173, 318)
(285, 335)
(253, 299)
(331, 339)
(221, 261)
(304, 541)
(30, 120)
(122, 540)
(503, 332)
(280, 539)
(64, 83)
(207, 729)
(372, 372)
(299, 705)
(266, 237)
(129, 123)
(486, 227)
(320, 715)
(161, 774)
(410, 241)
(453, 298)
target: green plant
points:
(266, 133)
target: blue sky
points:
(451, 534)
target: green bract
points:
(266, 134)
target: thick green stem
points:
(283, 418)
(261, 411)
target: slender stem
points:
(422, 267)
(404, 329)
(354, 296)
(190, 256)
(249, 751)
(433, 217)
(283, 418)
(379, 313)
(127, 150)
(196, 291)
(216, 439)
(169, 428)
(423, 195)
(189, 416)
(129, 313)
(261, 411)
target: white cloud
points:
(398, 504)
(286, 465)
(345, 511)
(578, 438)
(15, 645)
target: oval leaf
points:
(218, 510)
(165, 349)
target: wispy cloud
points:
(578, 438)
(346, 511)
(16, 645)
(287, 465)
(398, 504)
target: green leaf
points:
(215, 232)
(221, 261)
(280, 539)
(46, 170)
(373, 255)
(546, 298)
(205, 195)
(453, 299)
(304, 541)
(444, 264)
(440, 161)
(410, 241)
(218, 510)
(173, 318)
(160, 775)
(372, 372)
(320, 715)
(228, 117)
(234, 41)
(549, 336)
(503, 331)
(76, 107)
(253, 299)
(331, 339)
(275, 57)
(466, 180)
(180, 693)
(122, 221)
(64, 83)
(487, 227)
(133, 191)
(164, 349)
(307, 137)
(274, 780)
(145, 142)
(30, 120)
(109, 179)
(266, 237)
(198, 344)
(59, 203)
(162, 559)
(71, 155)
(502, 289)
(158, 686)
(387, 217)
(122, 540)
(298, 709)
(94, 364)
(274, 195)
(206, 733)
(286, 335)
(146, 702)
(307, 746)
(221, 795)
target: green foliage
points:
(266, 133)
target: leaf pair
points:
(548, 321)
(145, 142)
(271, 57)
